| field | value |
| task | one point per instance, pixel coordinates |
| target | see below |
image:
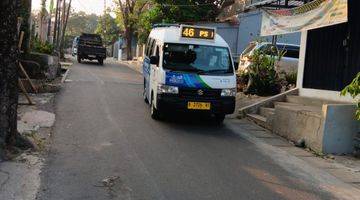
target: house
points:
(315, 113)
(247, 20)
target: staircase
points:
(265, 115)
(325, 126)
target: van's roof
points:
(171, 34)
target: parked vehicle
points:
(188, 68)
(90, 46)
(75, 46)
(288, 62)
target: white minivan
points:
(188, 68)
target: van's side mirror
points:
(154, 60)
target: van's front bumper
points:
(220, 105)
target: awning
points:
(318, 13)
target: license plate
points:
(92, 56)
(198, 106)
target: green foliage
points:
(51, 7)
(112, 29)
(146, 20)
(290, 78)
(176, 11)
(354, 90)
(41, 47)
(43, 8)
(80, 22)
(263, 78)
(242, 80)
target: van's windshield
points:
(200, 59)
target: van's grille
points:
(196, 93)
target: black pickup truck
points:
(90, 46)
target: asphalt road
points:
(104, 129)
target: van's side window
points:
(147, 47)
(157, 53)
(151, 50)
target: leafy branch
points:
(354, 90)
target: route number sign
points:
(197, 32)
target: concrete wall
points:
(249, 29)
(330, 131)
(340, 128)
(297, 123)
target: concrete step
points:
(280, 103)
(293, 107)
(267, 112)
(258, 119)
(308, 101)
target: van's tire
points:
(155, 113)
(101, 61)
(79, 59)
(219, 118)
(144, 93)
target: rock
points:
(41, 119)
(24, 127)
(300, 143)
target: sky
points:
(88, 6)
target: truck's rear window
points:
(93, 38)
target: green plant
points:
(263, 78)
(242, 80)
(41, 47)
(291, 78)
(354, 90)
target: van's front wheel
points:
(144, 93)
(155, 113)
(219, 118)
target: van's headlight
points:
(228, 92)
(167, 89)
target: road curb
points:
(131, 66)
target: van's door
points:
(154, 70)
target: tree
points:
(10, 11)
(129, 12)
(51, 11)
(25, 12)
(176, 11)
(65, 21)
(79, 22)
(112, 29)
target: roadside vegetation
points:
(262, 78)
(353, 89)
(41, 47)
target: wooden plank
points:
(28, 78)
(25, 92)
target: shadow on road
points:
(88, 62)
(198, 124)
